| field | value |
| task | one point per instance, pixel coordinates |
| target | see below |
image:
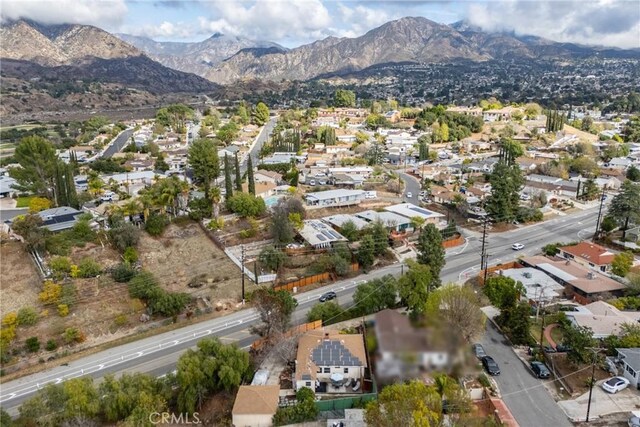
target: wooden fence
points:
(451, 243)
(310, 280)
(505, 266)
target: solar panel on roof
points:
(422, 211)
(321, 237)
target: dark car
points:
(563, 348)
(328, 296)
(490, 365)
(478, 351)
(540, 370)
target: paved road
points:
(120, 142)
(412, 185)
(525, 395)
(263, 137)
(7, 214)
(158, 354)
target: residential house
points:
(621, 163)
(320, 235)
(338, 149)
(144, 177)
(255, 405)
(467, 111)
(603, 318)
(539, 287)
(330, 362)
(633, 234)
(364, 171)
(60, 218)
(7, 186)
(334, 198)
(230, 151)
(404, 351)
(630, 359)
(138, 165)
(502, 114)
(409, 210)
(263, 189)
(582, 284)
(391, 220)
(266, 176)
(339, 220)
(589, 255)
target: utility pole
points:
(595, 235)
(242, 271)
(595, 350)
(483, 253)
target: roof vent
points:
(591, 275)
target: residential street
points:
(524, 394)
(158, 354)
(118, 144)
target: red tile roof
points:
(590, 252)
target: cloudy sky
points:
(294, 22)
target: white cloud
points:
(91, 12)
(268, 19)
(165, 30)
(600, 22)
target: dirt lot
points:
(20, 281)
(184, 253)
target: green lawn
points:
(23, 202)
(556, 333)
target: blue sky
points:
(294, 22)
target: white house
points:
(320, 235)
(630, 359)
(330, 362)
(267, 176)
(409, 210)
(334, 198)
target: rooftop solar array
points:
(333, 353)
(422, 211)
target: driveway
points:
(602, 403)
(527, 398)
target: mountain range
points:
(197, 57)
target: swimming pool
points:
(272, 200)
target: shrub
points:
(88, 268)
(50, 292)
(7, 334)
(124, 235)
(61, 266)
(68, 294)
(120, 320)
(51, 345)
(10, 320)
(216, 224)
(27, 316)
(130, 255)
(58, 244)
(73, 335)
(63, 310)
(75, 271)
(156, 224)
(122, 273)
(246, 204)
(32, 344)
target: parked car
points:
(634, 419)
(490, 365)
(409, 195)
(540, 370)
(563, 348)
(517, 246)
(328, 296)
(478, 351)
(615, 384)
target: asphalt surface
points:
(118, 144)
(411, 185)
(525, 395)
(263, 137)
(7, 214)
(158, 354)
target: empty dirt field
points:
(184, 254)
(19, 279)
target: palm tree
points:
(215, 197)
(130, 208)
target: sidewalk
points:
(602, 403)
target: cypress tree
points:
(250, 181)
(238, 176)
(61, 193)
(72, 195)
(228, 184)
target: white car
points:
(409, 195)
(615, 384)
(517, 246)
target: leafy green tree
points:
(243, 113)
(176, 116)
(204, 161)
(37, 172)
(503, 292)
(633, 173)
(227, 132)
(272, 258)
(28, 226)
(156, 224)
(5, 418)
(124, 235)
(608, 224)
(275, 309)
(344, 98)
(410, 404)
(246, 205)
(304, 410)
(414, 287)
(228, 183)
(132, 397)
(329, 312)
(516, 322)
(375, 295)
(622, 263)
(625, 206)
(251, 181)
(213, 367)
(431, 251)
(375, 155)
(380, 236)
(350, 231)
(261, 115)
(366, 252)
(506, 182)
(579, 339)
